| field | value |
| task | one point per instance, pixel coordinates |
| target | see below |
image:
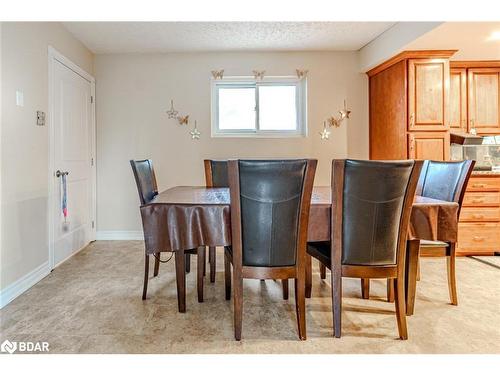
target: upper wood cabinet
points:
(457, 114)
(484, 96)
(409, 99)
(428, 86)
(388, 108)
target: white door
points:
(72, 157)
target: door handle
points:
(59, 173)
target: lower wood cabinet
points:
(479, 224)
(429, 145)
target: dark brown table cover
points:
(434, 220)
(186, 217)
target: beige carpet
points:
(92, 304)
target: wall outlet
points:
(19, 98)
(40, 118)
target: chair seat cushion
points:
(321, 251)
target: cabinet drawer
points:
(488, 198)
(483, 184)
(480, 214)
(479, 236)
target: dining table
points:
(187, 217)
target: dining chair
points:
(446, 181)
(147, 188)
(215, 176)
(370, 213)
(270, 201)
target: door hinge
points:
(93, 224)
(91, 99)
(91, 162)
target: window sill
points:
(258, 135)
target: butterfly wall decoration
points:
(218, 74)
(258, 74)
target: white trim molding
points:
(21, 285)
(119, 235)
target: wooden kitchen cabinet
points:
(457, 113)
(428, 87)
(479, 222)
(409, 105)
(483, 100)
(429, 145)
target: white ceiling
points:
(144, 37)
(472, 40)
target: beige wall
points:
(133, 93)
(471, 39)
(24, 145)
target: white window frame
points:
(300, 102)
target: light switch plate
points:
(40, 118)
(19, 98)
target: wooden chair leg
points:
(399, 299)
(336, 281)
(390, 290)
(322, 271)
(452, 282)
(180, 274)
(238, 305)
(300, 307)
(204, 263)
(188, 262)
(157, 264)
(418, 270)
(284, 284)
(227, 276)
(213, 261)
(200, 267)
(365, 288)
(146, 277)
(308, 280)
(412, 256)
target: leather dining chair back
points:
(216, 173)
(145, 179)
(270, 197)
(445, 180)
(373, 201)
(270, 201)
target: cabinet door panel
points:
(458, 100)
(429, 146)
(478, 237)
(484, 96)
(428, 86)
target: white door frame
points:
(54, 56)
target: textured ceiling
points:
(124, 37)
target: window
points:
(273, 107)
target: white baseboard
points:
(114, 235)
(23, 284)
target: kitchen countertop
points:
(486, 173)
